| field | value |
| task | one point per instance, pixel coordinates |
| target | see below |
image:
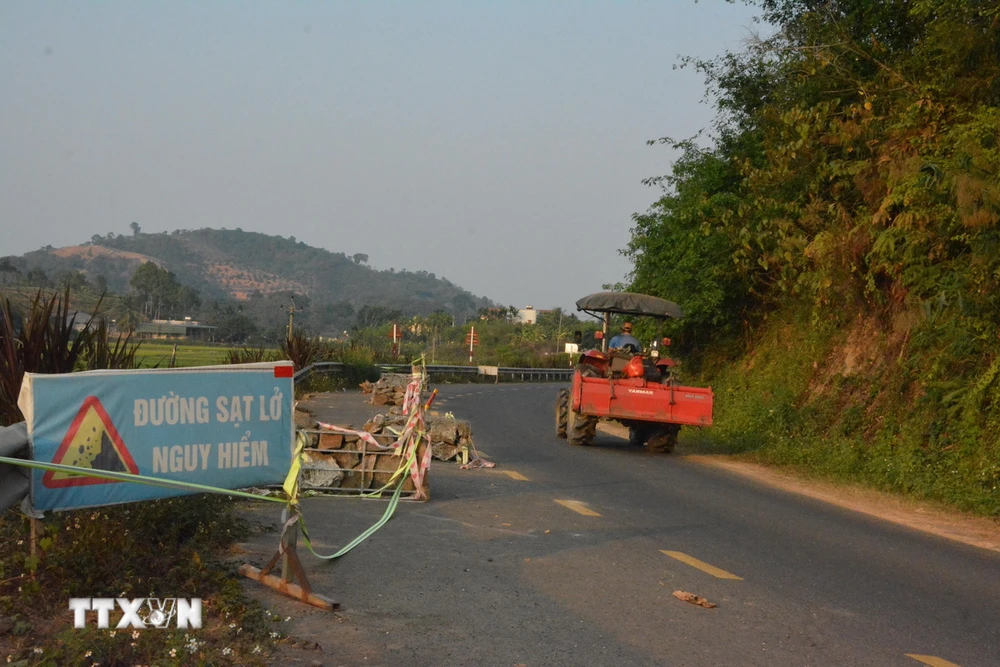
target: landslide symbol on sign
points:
(92, 441)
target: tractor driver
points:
(626, 340)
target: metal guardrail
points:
(13, 478)
(500, 372)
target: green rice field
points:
(157, 354)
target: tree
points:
(145, 282)
(8, 271)
(186, 299)
(360, 258)
(437, 322)
(72, 280)
(233, 325)
(531, 334)
(160, 294)
(135, 228)
(128, 321)
(37, 278)
(369, 317)
(681, 249)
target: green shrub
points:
(165, 548)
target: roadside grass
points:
(790, 402)
(173, 548)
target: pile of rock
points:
(343, 462)
(389, 390)
(450, 438)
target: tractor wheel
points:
(664, 440)
(562, 412)
(580, 430)
(637, 435)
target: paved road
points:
(569, 556)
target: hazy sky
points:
(498, 144)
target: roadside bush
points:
(166, 548)
(248, 355)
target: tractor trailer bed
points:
(640, 400)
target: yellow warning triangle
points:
(92, 441)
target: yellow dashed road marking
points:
(704, 567)
(931, 660)
(577, 507)
(513, 474)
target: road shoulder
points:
(953, 525)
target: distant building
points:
(82, 320)
(527, 315)
(186, 329)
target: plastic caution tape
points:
(389, 511)
(406, 447)
(137, 479)
(291, 485)
(364, 435)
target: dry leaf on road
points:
(694, 599)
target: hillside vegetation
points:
(233, 271)
(835, 244)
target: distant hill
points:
(237, 265)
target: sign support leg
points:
(291, 570)
(289, 541)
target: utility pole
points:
(291, 318)
(559, 331)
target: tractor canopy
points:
(629, 303)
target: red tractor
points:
(638, 390)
